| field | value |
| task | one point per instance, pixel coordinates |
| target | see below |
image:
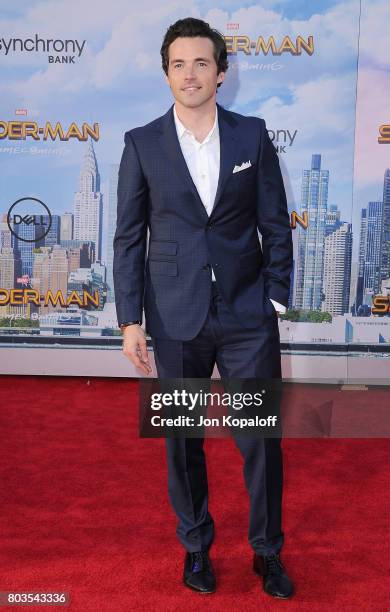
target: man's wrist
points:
(122, 326)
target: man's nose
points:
(189, 73)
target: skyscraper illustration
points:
(332, 220)
(290, 305)
(311, 241)
(66, 226)
(385, 238)
(53, 235)
(372, 250)
(111, 225)
(337, 270)
(51, 272)
(88, 204)
(362, 255)
(24, 243)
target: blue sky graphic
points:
(118, 82)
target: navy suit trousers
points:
(238, 353)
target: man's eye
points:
(202, 64)
(177, 65)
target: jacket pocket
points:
(246, 174)
(166, 268)
(162, 247)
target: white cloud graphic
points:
(323, 113)
(119, 81)
(123, 43)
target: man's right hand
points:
(135, 349)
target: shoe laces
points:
(274, 565)
(198, 559)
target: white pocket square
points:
(243, 166)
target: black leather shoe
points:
(198, 572)
(275, 579)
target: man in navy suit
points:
(204, 180)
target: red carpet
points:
(84, 509)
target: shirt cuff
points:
(278, 307)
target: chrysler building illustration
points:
(88, 203)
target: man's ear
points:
(220, 77)
(167, 80)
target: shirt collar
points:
(182, 130)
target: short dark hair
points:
(191, 27)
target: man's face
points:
(192, 71)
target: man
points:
(204, 180)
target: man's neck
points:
(198, 120)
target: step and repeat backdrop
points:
(76, 75)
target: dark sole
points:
(270, 594)
(198, 590)
(278, 596)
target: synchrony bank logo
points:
(58, 50)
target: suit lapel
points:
(171, 147)
(228, 151)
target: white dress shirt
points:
(202, 160)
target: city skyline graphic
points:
(67, 258)
(323, 120)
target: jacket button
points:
(206, 267)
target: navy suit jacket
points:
(172, 282)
